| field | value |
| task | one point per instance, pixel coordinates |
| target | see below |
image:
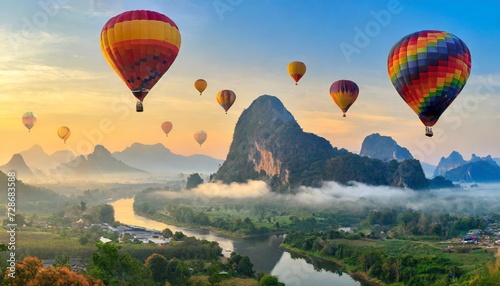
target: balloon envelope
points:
(63, 132)
(140, 46)
(344, 93)
(226, 98)
(166, 127)
(200, 137)
(29, 120)
(200, 85)
(429, 69)
(296, 70)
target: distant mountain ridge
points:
(383, 148)
(39, 161)
(99, 162)
(477, 169)
(159, 159)
(268, 144)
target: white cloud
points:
(252, 189)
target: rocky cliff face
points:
(383, 148)
(268, 144)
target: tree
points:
(107, 214)
(213, 274)
(270, 280)
(167, 233)
(245, 267)
(115, 268)
(157, 264)
(177, 272)
(193, 181)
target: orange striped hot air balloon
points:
(344, 93)
(63, 132)
(200, 85)
(226, 98)
(29, 120)
(296, 70)
(166, 127)
(200, 137)
(140, 46)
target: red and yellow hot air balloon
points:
(63, 132)
(166, 127)
(226, 98)
(140, 46)
(296, 70)
(429, 69)
(200, 137)
(344, 93)
(29, 120)
(200, 85)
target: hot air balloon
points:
(140, 46)
(429, 69)
(226, 99)
(29, 120)
(296, 70)
(200, 85)
(200, 137)
(166, 127)
(344, 93)
(63, 132)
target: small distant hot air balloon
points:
(166, 127)
(63, 132)
(226, 99)
(344, 93)
(29, 120)
(200, 137)
(140, 46)
(429, 69)
(200, 85)
(296, 70)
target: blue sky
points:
(52, 65)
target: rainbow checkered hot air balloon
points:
(140, 46)
(429, 69)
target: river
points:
(264, 252)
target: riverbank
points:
(163, 218)
(357, 275)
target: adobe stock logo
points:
(363, 37)
(223, 6)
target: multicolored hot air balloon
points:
(29, 120)
(166, 127)
(344, 93)
(63, 132)
(140, 46)
(226, 98)
(200, 85)
(429, 69)
(200, 137)
(296, 70)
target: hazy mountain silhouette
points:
(36, 158)
(383, 148)
(159, 159)
(99, 162)
(475, 171)
(18, 165)
(453, 161)
(269, 144)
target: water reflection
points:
(264, 252)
